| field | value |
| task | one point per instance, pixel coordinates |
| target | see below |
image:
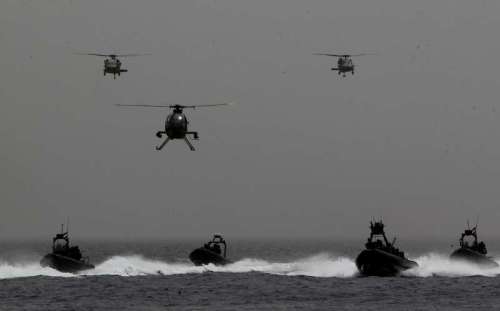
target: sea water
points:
(264, 275)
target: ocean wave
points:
(320, 265)
(27, 269)
(434, 264)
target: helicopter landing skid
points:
(189, 143)
(159, 134)
(195, 135)
(160, 147)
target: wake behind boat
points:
(381, 258)
(472, 251)
(65, 258)
(211, 253)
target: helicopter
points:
(112, 64)
(344, 62)
(176, 123)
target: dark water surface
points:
(266, 275)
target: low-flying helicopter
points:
(176, 123)
(344, 62)
(112, 64)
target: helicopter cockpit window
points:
(175, 118)
(112, 62)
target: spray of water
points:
(440, 265)
(320, 265)
(9, 270)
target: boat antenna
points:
(468, 226)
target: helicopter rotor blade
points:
(132, 55)
(93, 54)
(154, 106)
(173, 106)
(345, 55)
(333, 55)
(114, 55)
(362, 54)
(209, 105)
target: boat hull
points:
(474, 257)
(202, 256)
(376, 262)
(64, 264)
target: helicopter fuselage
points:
(344, 62)
(113, 66)
(176, 125)
(344, 65)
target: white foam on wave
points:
(434, 264)
(138, 265)
(9, 271)
(320, 265)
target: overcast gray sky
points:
(412, 137)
